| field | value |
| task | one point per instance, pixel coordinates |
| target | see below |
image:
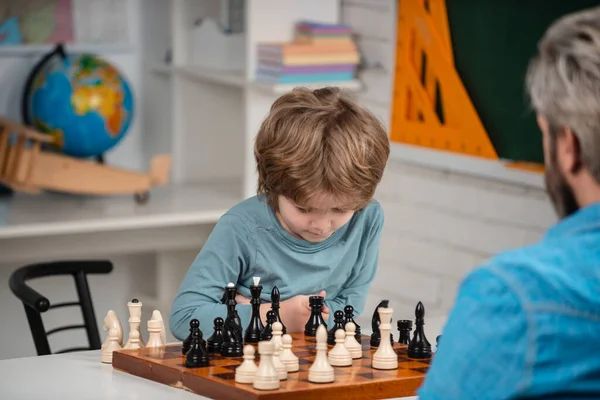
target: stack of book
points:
(318, 53)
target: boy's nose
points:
(321, 226)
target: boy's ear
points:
(568, 150)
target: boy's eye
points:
(303, 210)
(339, 210)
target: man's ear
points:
(568, 150)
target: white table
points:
(82, 376)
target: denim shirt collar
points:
(584, 220)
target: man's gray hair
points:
(563, 80)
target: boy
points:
(313, 228)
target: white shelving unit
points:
(215, 113)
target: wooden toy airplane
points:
(25, 166)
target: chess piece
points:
(437, 342)
(353, 346)
(133, 340)
(338, 319)
(275, 296)
(340, 356)
(213, 343)
(276, 340)
(287, 357)
(154, 329)
(197, 356)
(349, 317)
(246, 372)
(233, 340)
(157, 316)
(187, 343)
(266, 377)
(255, 326)
(376, 336)
(111, 321)
(135, 312)
(419, 347)
(316, 318)
(267, 332)
(404, 328)
(111, 345)
(385, 357)
(321, 371)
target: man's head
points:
(563, 81)
(320, 157)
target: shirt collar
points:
(585, 219)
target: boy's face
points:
(315, 222)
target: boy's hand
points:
(295, 312)
(241, 299)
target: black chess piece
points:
(267, 332)
(349, 317)
(255, 326)
(197, 356)
(275, 296)
(338, 319)
(419, 347)
(375, 321)
(404, 328)
(233, 341)
(316, 318)
(187, 343)
(213, 343)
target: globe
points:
(82, 101)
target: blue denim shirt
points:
(527, 324)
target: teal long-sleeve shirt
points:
(248, 241)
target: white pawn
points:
(111, 345)
(246, 372)
(340, 356)
(266, 377)
(385, 357)
(154, 329)
(351, 343)
(321, 371)
(287, 357)
(276, 340)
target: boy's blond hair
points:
(316, 142)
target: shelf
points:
(229, 78)
(279, 88)
(28, 50)
(47, 214)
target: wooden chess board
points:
(360, 381)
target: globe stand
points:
(100, 159)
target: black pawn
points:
(338, 319)
(419, 347)
(187, 343)
(275, 297)
(213, 343)
(316, 318)
(404, 328)
(349, 317)
(375, 321)
(267, 332)
(255, 326)
(197, 355)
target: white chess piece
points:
(266, 377)
(111, 321)
(321, 371)
(353, 346)
(385, 357)
(246, 372)
(134, 326)
(154, 329)
(112, 345)
(135, 317)
(157, 316)
(287, 357)
(340, 356)
(276, 340)
(134, 341)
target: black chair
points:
(35, 304)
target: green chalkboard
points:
(492, 42)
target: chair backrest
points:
(35, 303)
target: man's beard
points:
(558, 189)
